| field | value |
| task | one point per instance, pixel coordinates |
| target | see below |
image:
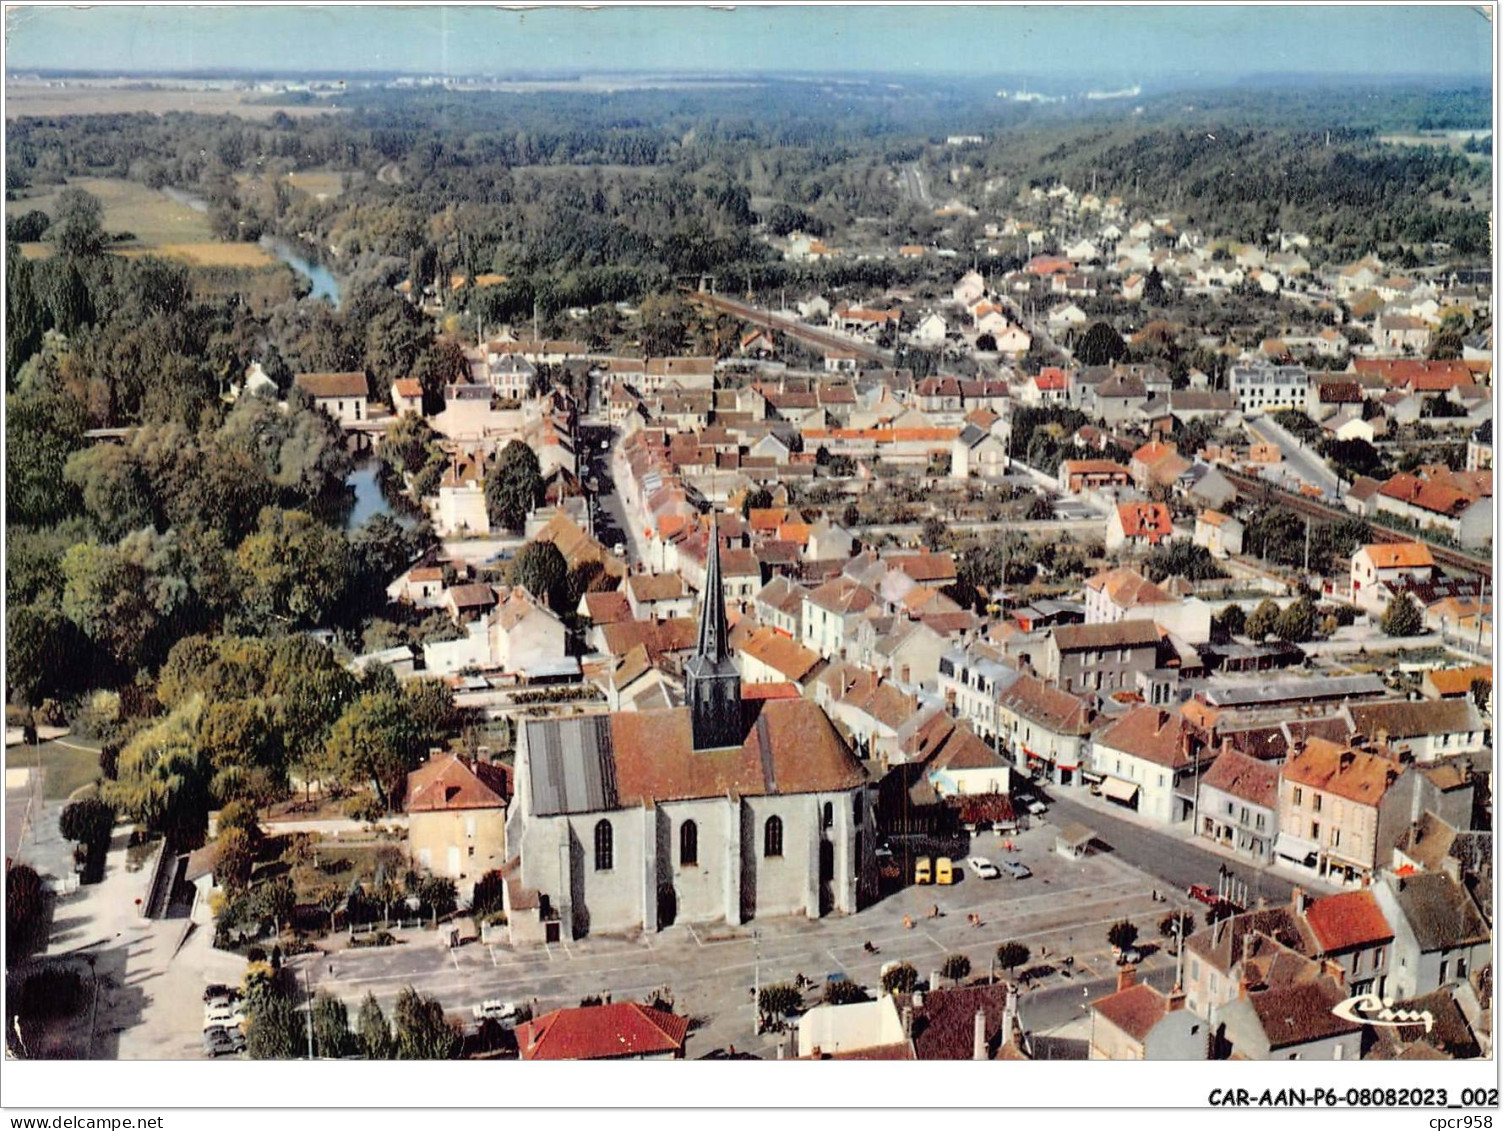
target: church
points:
(724, 810)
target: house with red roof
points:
(456, 817)
(1139, 1022)
(1432, 504)
(1138, 526)
(617, 1031)
(1351, 930)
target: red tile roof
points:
(1135, 1010)
(1150, 733)
(448, 782)
(1145, 520)
(1347, 921)
(332, 384)
(602, 1032)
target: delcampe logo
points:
(1370, 1009)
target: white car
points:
(1036, 807)
(495, 1010)
(982, 868)
(228, 1017)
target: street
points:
(710, 970)
(1305, 464)
(1178, 863)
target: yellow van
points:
(944, 871)
(921, 871)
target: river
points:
(324, 283)
(369, 498)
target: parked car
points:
(923, 872)
(1204, 894)
(1036, 807)
(1015, 870)
(222, 1042)
(982, 868)
(218, 991)
(944, 871)
(223, 1016)
(1130, 957)
(496, 1010)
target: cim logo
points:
(1372, 1010)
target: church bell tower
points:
(711, 680)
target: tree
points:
(275, 900)
(422, 1032)
(1101, 345)
(77, 223)
(29, 227)
(296, 569)
(935, 533)
(955, 967)
(779, 1000)
(44, 652)
(1296, 623)
(1122, 934)
(1231, 621)
(1261, 621)
(513, 486)
(1482, 693)
(758, 498)
(1177, 925)
(373, 742)
(331, 1028)
(986, 343)
(901, 979)
(843, 992)
(1402, 617)
(438, 894)
(1011, 955)
(233, 859)
(1153, 287)
(666, 322)
(88, 821)
(372, 1031)
(1181, 559)
(540, 568)
(25, 905)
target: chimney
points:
(978, 1036)
(918, 999)
(908, 1021)
(1247, 949)
(1298, 900)
(1333, 970)
(1347, 758)
(1175, 999)
(1127, 977)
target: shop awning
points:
(1119, 790)
(1295, 847)
(1092, 778)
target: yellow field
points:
(161, 226)
(210, 254)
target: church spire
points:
(712, 630)
(711, 682)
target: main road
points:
(1179, 863)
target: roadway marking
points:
(569, 954)
(933, 940)
(454, 958)
(695, 935)
(494, 963)
(549, 949)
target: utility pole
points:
(307, 989)
(1307, 545)
(756, 982)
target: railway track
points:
(791, 327)
(1446, 555)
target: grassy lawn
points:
(161, 226)
(66, 768)
(319, 184)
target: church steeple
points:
(712, 683)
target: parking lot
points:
(1062, 910)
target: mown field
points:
(31, 100)
(159, 225)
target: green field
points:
(67, 767)
(158, 224)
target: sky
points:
(1113, 43)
